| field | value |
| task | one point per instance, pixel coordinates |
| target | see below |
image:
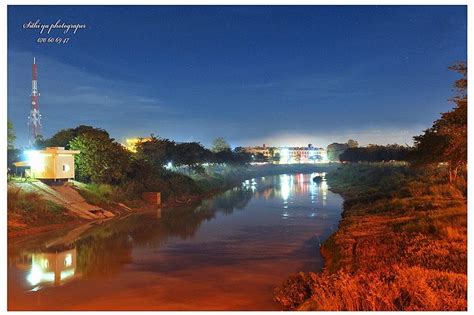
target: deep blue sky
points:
(278, 75)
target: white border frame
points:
(4, 101)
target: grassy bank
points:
(401, 245)
(29, 209)
(190, 185)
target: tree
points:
(192, 154)
(64, 136)
(271, 151)
(13, 155)
(352, 143)
(220, 144)
(225, 156)
(446, 140)
(334, 150)
(259, 157)
(101, 159)
(157, 151)
(276, 157)
(376, 153)
(11, 137)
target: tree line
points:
(444, 143)
(103, 160)
(376, 153)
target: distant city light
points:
(285, 155)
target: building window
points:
(68, 260)
(66, 168)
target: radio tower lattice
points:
(34, 120)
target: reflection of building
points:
(51, 163)
(52, 268)
(301, 185)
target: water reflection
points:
(104, 250)
(53, 268)
(271, 226)
(48, 267)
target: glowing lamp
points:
(35, 160)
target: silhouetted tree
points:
(446, 140)
(376, 153)
(220, 144)
(192, 154)
(352, 143)
(334, 150)
(156, 151)
(11, 137)
(64, 136)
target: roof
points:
(21, 164)
(58, 150)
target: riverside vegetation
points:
(401, 245)
(108, 173)
(402, 240)
(27, 209)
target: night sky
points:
(276, 75)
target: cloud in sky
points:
(70, 96)
(297, 75)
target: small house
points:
(52, 163)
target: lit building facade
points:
(290, 155)
(52, 163)
(264, 150)
(309, 154)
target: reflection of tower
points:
(34, 120)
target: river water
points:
(228, 253)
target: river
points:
(227, 253)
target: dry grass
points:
(400, 246)
(29, 209)
(390, 289)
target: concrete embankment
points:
(67, 196)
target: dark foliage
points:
(376, 153)
(446, 140)
(64, 136)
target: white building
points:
(52, 163)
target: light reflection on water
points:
(249, 238)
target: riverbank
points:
(401, 245)
(29, 213)
(235, 236)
